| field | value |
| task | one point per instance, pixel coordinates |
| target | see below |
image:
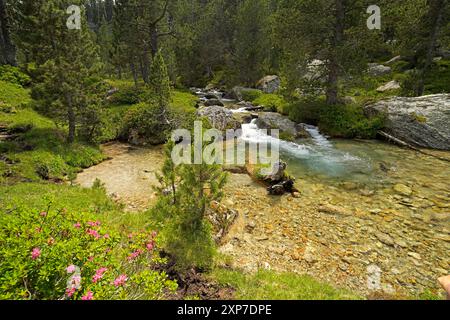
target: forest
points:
(94, 207)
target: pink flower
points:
(150, 246)
(71, 269)
(99, 275)
(38, 230)
(154, 234)
(106, 236)
(130, 236)
(94, 224)
(77, 225)
(134, 255)
(91, 258)
(120, 280)
(89, 296)
(93, 233)
(43, 214)
(70, 292)
(35, 253)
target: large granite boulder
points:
(421, 121)
(378, 70)
(236, 93)
(272, 120)
(219, 117)
(269, 84)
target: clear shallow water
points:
(373, 163)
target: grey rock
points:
(269, 84)
(392, 85)
(377, 70)
(213, 102)
(220, 118)
(421, 121)
(272, 120)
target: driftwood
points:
(407, 145)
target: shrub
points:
(56, 254)
(127, 95)
(251, 95)
(146, 122)
(342, 121)
(271, 102)
(14, 75)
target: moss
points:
(419, 118)
(272, 102)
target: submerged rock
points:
(421, 121)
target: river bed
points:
(371, 217)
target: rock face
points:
(377, 70)
(393, 85)
(220, 118)
(269, 84)
(272, 120)
(422, 121)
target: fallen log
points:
(407, 145)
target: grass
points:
(270, 285)
(13, 94)
(183, 101)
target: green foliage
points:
(58, 254)
(438, 78)
(14, 75)
(13, 94)
(160, 82)
(270, 285)
(272, 102)
(182, 210)
(127, 95)
(342, 121)
(145, 121)
(251, 94)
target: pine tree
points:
(65, 60)
(186, 229)
(159, 81)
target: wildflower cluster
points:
(64, 255)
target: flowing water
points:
(363, 205)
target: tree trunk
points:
(71, 117)
(333, 65)
(134, 72)
(8, 49)
(145, 66)
(437, 7)
(154, 42)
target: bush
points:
(146, 122)
(341, 121)
(56, 254)
(271, 102)
(127, 95)
(251, 95)
(14, 75)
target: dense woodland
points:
(127, 74)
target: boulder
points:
(378, 70)
(421, 121)
(315, 70)
(213, 102)
(392, 85)
(236, 93)
(220, 118)
(272, 120)
(269, 84)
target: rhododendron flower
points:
(43, 214)
(120, 280)
(70, 292)
(93, 233)
(134, 255)
(91, 258)
(106, 236)
(35, 253)
(150, 246)
(130, 236)
(89, 296)
(75, 281)
(99, 275)
(77, 225)
(154, 234)
(71, 269)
